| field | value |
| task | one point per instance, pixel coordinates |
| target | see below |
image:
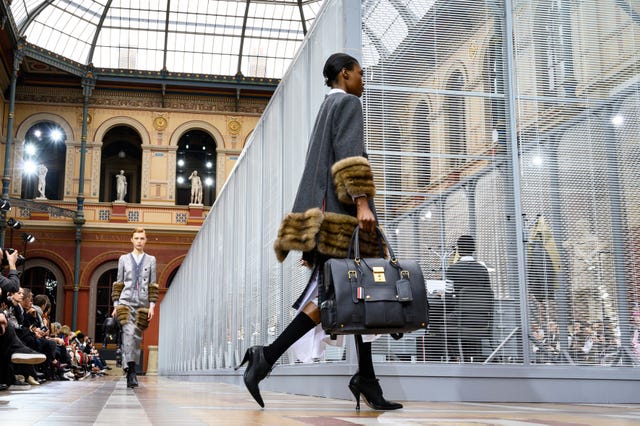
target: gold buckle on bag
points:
(378, 274)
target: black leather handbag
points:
(372, 295)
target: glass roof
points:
(256, 38)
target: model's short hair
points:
(466, 245)
(334, 64)
(138, 230)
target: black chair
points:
(473, 320)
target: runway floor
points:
(165, 401)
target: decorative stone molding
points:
(160, 123)
(142, 100)
(123, 121)
(233, 126)
(197, 125)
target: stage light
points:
(28, 238)
(56, 135)
(537, 160)
(617, 120)
(30, 167)
(14, 224)
(30, 149)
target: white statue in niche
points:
(42, 181)
(196, 188)
(121, 186)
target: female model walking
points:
(334, 196)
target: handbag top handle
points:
(355, 244)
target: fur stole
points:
(353, 176)
(329, 233)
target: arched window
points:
(41, 280)
(172, 276)
(44, 155)
(104, 306)
(552, 29)
(423, 141)
(495, 110)
(196, 152)
(121, 150)
(454, 107)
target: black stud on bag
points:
(372, 295)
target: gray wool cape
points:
(337, 135)
(336, 169)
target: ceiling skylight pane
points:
(71, 47)
(105, 57)
(204, 35)
(54, 17)
(97, 9)
(40, 35)
(175, 61)
(19, 10)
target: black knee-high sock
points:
(300, 325)
(365, 362)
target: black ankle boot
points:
(132, 380)
(371, 393)
(257, 369)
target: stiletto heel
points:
(244, 360)
(371, 393)
(257, 369)
(356, 394)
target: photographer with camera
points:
(11, 283)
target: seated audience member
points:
(95, 361)
(26, 332)
(42, 305)
(33, 321)
(13, 351)
(470, 277)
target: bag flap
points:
(380, 293)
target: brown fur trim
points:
(335, 235)
(122, 314)
(297, 232)
(116, 290)
(353, 176)
(154, 290)
(142, 318)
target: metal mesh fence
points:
(513, 122)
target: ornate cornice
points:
(141, 100)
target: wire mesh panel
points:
(436, 134)
(231, 269)
(503, 137)
(572, 138)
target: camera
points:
(5, 262)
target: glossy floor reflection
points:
(164, 401)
